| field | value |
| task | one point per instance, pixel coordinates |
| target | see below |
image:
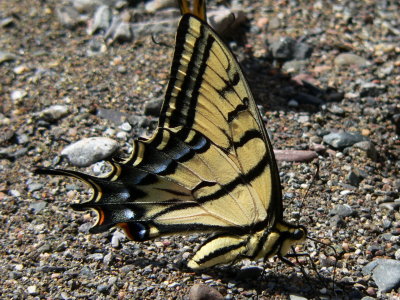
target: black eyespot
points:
(298, 234)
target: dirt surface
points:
(46, 251)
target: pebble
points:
(32, 290)
(296, 297)
(90, 150)
(101, 19)
(119, 30)
(18, 95)
(385, 273)
(204, 292)
(370, 89)
(369, 148)
(342, 210)
(125, 127)
(7, 56)
(156, 5)
(355, 176)
(117, 238)
(295, 66)
(283, 48)
(21, 69)
(223, 19)
(295, 155)
(38, 206)
(336, 110)
(69, 16)
(339, 140)
(350, 59)
(87, 6)
(53, 113)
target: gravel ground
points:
(353, 204)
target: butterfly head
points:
(290, 235)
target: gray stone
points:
(7, 56)
(350, 59)
(302, 51)
(336, 110)
(385, 272)
(342, 210)
(370, 89)
(38, 206)
(203, 292)
(355, 176)
(369, 149)
(295, 66)
(339, 140)
(69, 16)
(101, 19)
(283, 49)
(53, 113)
(90, 150)
(156, 5)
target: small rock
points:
(96, 47)
(295, 66)
(90, 150)
(283, 48)
(336, 110)
(156, 5)
(371, 89)
(35, 187)
(21, 69)
(38, 206)
(342, 210)
(32, 290)
(369, 148)
(295, 155)
(126, 127)
(223, 19)
(204, 292)
(385, 272)
(69, 16)
(119, 30)
(295, 297)
(53, 113)
(101, 19)
(355, 176)
(108, 259)
(302, 51)
(18, 95)
(96, 256)
(7, 56)
(117, 238)
(87, 6)
(350, 59)
(339, 140)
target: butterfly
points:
(209, 167)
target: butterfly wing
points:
(209, 166)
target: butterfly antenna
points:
(335, 263)
(160, 43)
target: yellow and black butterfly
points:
(209, 167)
